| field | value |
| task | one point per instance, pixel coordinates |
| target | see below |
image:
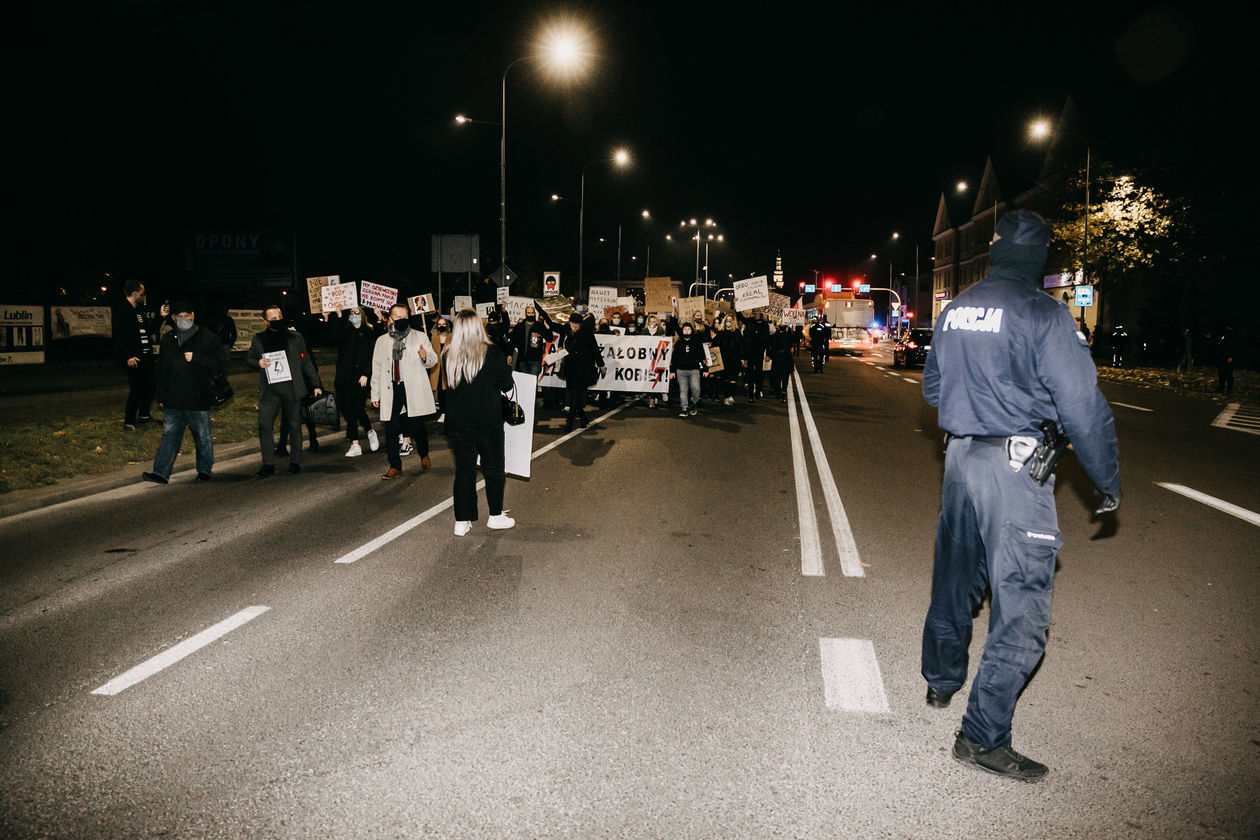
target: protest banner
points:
(751, 293)
(600, 298)
(421, 304)
(551, 283)
(485, 310)
(372, 296)
(501, 295)
(335, 298)
(461, 303)
(794, 317)
(314, 295)
(518, 441)
(77, 321)
(632, 363)
(21, 335)
(659, 294)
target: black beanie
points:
(1022, 242)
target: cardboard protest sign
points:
(551, 283)
(485, 310)
(372, 296)
(515, 306)
(751, 293)
(314, 285)
(633, 363)
(501, 294)
(461, 303)
(659, 294)
(688, 306)
(777, 306)
(599, 298)
(335, 298)
(626, 302)
(793, 317)
(715, 357)
(421, 304)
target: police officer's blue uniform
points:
(1004, 357)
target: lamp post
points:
(1041, 129)
(563, 49)
(711, 238)
(696, 225)
(619, 157)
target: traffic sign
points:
(864, 289)
(1084, 296)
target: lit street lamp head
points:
(621, 157)
(564, 49)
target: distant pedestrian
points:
(477, 374)
(1119, 343)
(286, 374)
(1187, 352)
(1225, 351)
(191, 357)
(400, 387)
(134, 341)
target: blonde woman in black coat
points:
(477, 374)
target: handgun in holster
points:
(1047, 454)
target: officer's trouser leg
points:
(959, 576)
(1019, 526)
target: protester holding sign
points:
(582, 366)
(477, 374)
(687, 364)
(285, 375)
(400, 387)
(756, 339)
(355, 338)
(730, 341)
(529, 341)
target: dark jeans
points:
(819, 358)
(270, 403)
(403, 424)
(466, 446)
(1225, 378)
(142, 382)
(577, 403)
(997, 528)
(173, 422)
(352, 402)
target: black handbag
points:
(513, 414)
(220, 391)
(321, 410)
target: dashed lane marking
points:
(1211, 501)
(185, 648)
(851, 677)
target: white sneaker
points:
(501, 522)
(406, 448)
(354, 451)
(374, 443)
(462, 527)
(442, 417)
(728, 401)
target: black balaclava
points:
(1019, 247)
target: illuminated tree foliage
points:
(1138, 236)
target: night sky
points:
(813, 133)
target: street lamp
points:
(620, 158)
(1041, 129)
(563, 49)
(696, 225)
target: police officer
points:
(1005, 356)
(819, 336)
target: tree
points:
(1138, 236)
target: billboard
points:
(250, 258)
(21, 335)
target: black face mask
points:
(276, 325)
(530, 318)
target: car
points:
(855, 340)
(912, 348)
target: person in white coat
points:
(400, 387)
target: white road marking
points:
(1240, 418)
(811, 545)
(172, 655)
(846, 546)
(1211, 501)
(913, 381)
(1134, 407)
(414, 522)
(851, 678)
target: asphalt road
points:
(687, 634)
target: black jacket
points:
(581, 366)
(305, 374)
(184, 384)
(529, 340)
(354, 349)
(476, 406)
(135, 334)
(688, 354)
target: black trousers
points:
(270, 403)
(577, 402)
(466, 446)
(142, 382)
(404, 424)
(352, 402)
